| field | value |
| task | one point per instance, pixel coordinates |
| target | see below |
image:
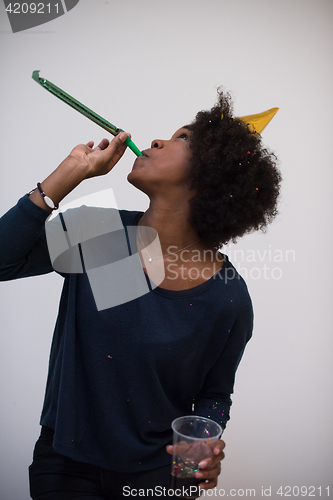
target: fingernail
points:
(203, 464)
(216, 451)
(123, 136)
(198, 474)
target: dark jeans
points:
(56, 477)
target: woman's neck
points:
(180, 260)
(172, 226)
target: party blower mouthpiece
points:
(81, 108)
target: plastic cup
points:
(194, 439)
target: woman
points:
(120, 373)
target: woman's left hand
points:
(210, 468)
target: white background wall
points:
(148, 66)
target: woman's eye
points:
(183, 136)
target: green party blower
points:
(84, 110)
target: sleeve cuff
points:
(216, 410)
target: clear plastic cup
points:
(194, 439)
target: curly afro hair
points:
(236, 180)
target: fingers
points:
(209, 477)
(104, 157)
(220, 445)
(210, 468)
(115, 150)
(209, 463)
(103, 144)
(116, 146)
(209, 473)
(218, 455)
(120, 138)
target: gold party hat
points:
(258, 122)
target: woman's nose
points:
(157, 143)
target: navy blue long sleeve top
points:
(119, 375)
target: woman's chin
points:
(131, 178)
(136, 181)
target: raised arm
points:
(82, 163)
(23, 249)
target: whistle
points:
(81, 108)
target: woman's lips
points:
(138, 159)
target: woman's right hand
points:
(83, 162)
(100, 160)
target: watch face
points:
(46, 199)
(48, 202)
